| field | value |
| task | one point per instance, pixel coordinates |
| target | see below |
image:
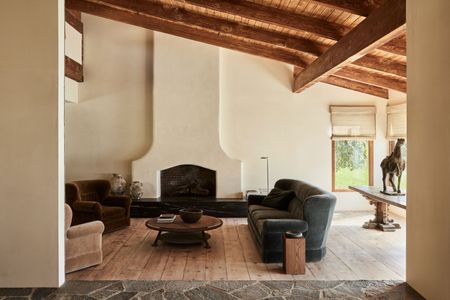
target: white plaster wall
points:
(261, 116)
(112, 123)
(186, 109)
(428, 211)
(31, 147)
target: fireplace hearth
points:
(188, 181)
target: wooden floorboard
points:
(352, 253)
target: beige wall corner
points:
(111, 125)
(31, 149)
(428, 212)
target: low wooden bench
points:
(381, 202)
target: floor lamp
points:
(267, 172)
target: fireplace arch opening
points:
(188, 181)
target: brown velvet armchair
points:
(90, 200)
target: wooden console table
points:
(381, 202)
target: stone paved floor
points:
(218, 290)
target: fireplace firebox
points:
(188, 181)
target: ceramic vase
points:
(136, 191)
(118, 184)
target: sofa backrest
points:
(313, 205)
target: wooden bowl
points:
(191, 215)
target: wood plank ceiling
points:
(355, 44)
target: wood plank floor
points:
(353, 253)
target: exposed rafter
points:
(290, 20)
(150, 15)
(382, 25)
(125, 15)
(73, 69)
(396, 46)
(357, 86)
(373, 78)
(274, 16)
(358, 7)
(352, 85)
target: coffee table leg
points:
(155, 243)
(205, 239)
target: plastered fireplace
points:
(186, 100)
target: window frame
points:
(333, 167)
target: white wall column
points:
(31, 147)
(428, 212)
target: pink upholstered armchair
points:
(83, 243)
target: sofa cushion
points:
(278, 198)
(255, 207)
(112, 211)
(260, 216)
(271, 214)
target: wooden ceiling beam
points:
(357, 86)
(73, 69)
(352, 84)
(373, 78)
(270, 15)
(382, 25)
(382, 64)
(178, 15)
(357, 7)
(226, 41)
(396, 46)
(293, 21)
(113, 12)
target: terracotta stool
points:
(294, 253)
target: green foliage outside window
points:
(351, 163)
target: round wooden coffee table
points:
(179, 232)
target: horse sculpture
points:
(394, 164)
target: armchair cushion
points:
(113, 200)
(112, 211)
(278, 198)
(88, 207)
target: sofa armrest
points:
(283, 225)
(117, 200)
(255, 199)
(92, 207)
(95, 227)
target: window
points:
(353, 132)
(396, 128)
(352, 163)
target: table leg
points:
(381, 220)
(155, 242)
(205, 240)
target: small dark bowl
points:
(191, 215)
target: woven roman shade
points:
(353, 122)
(396, 122)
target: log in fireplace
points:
(188, 181)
